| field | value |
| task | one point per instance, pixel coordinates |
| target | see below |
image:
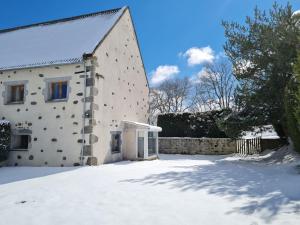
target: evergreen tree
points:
(262, 52)
(292, 104)
(297, 78)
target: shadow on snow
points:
(268, 189)
(14, 174)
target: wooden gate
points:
(248, 146)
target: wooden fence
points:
(249, 146)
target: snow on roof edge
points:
(43, 64)
(145, 125)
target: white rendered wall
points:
(122, 84)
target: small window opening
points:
(16, 94)
(116, 142)
(20, 142)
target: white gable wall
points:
(123, 90)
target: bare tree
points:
(157, 105)
(213, 90)
(216, 87)
(171, 96)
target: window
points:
(57, 90)
(152, 138)
(141, 143)
(116, 142)
(20, 142)
(16, 94)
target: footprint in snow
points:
(21, 202)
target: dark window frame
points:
(16, 94)
(116, 142)
(25, 141)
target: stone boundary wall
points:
(192, 146)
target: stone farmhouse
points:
(75, 92)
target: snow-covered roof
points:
(143, 126)
(62, 41)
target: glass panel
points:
(13, 94)
(58, 90)
(24, 142)
(20, 142)
(141, 133)
(141, 141)
(64, 90)
(16, 93)
(152, 137)
(21, 93)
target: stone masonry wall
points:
(54, 127)
(192, 146)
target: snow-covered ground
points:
(206, 190)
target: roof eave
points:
(41, 65)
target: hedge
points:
(4, 139)
(196, 125)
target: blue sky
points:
(166, 29)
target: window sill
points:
(57, 100)
(116, 152)
(14, 103)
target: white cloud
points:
(163, 73)
(180, 54)
(197, 77)
(220, 56)
(196, 56)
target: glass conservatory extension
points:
(141, 140)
